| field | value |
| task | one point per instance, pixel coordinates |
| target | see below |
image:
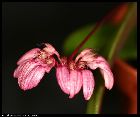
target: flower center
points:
(42, 55)
(63, 61)
(49, 60)
(81, 65)
(72, 65)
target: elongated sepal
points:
(88, 84)
(32, 78)
(63, 78)
(75, 82)
(105, 70)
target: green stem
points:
(123, 33)
(94, 105)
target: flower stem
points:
(83, 42)
(97, 25)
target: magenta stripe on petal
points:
(18, 70)
(26, 70)
(29, 55)
(75, 82)
(62, 75)
(33, 78)
(88, 84)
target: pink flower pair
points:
(71, 75)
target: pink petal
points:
(105, 70)
(50, 50)
(29, 55)
(88, 84)
(86, 51)
(75, 82)
(88, 58)
(32, 79)
(62, 75)
(24, 68)
(18, 70)
(108, 77)
(47, 68)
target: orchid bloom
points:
(72, 75)
(94, 61)
(33, 65)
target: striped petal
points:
(108, 77)
(19, 69)
(105, 70)
(24, 68)
(32, 79)
(29, 55)
(75, 82)
(62, 75)
(88, 84)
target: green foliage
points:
(106, 41)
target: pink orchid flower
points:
(72, 75)
(33, 65)
(69, 78)
(94, 61)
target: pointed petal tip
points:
(87, 98)
(88, 84)
(71, 96)
(108, 78)
(110, 86)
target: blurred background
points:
(27, 24)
